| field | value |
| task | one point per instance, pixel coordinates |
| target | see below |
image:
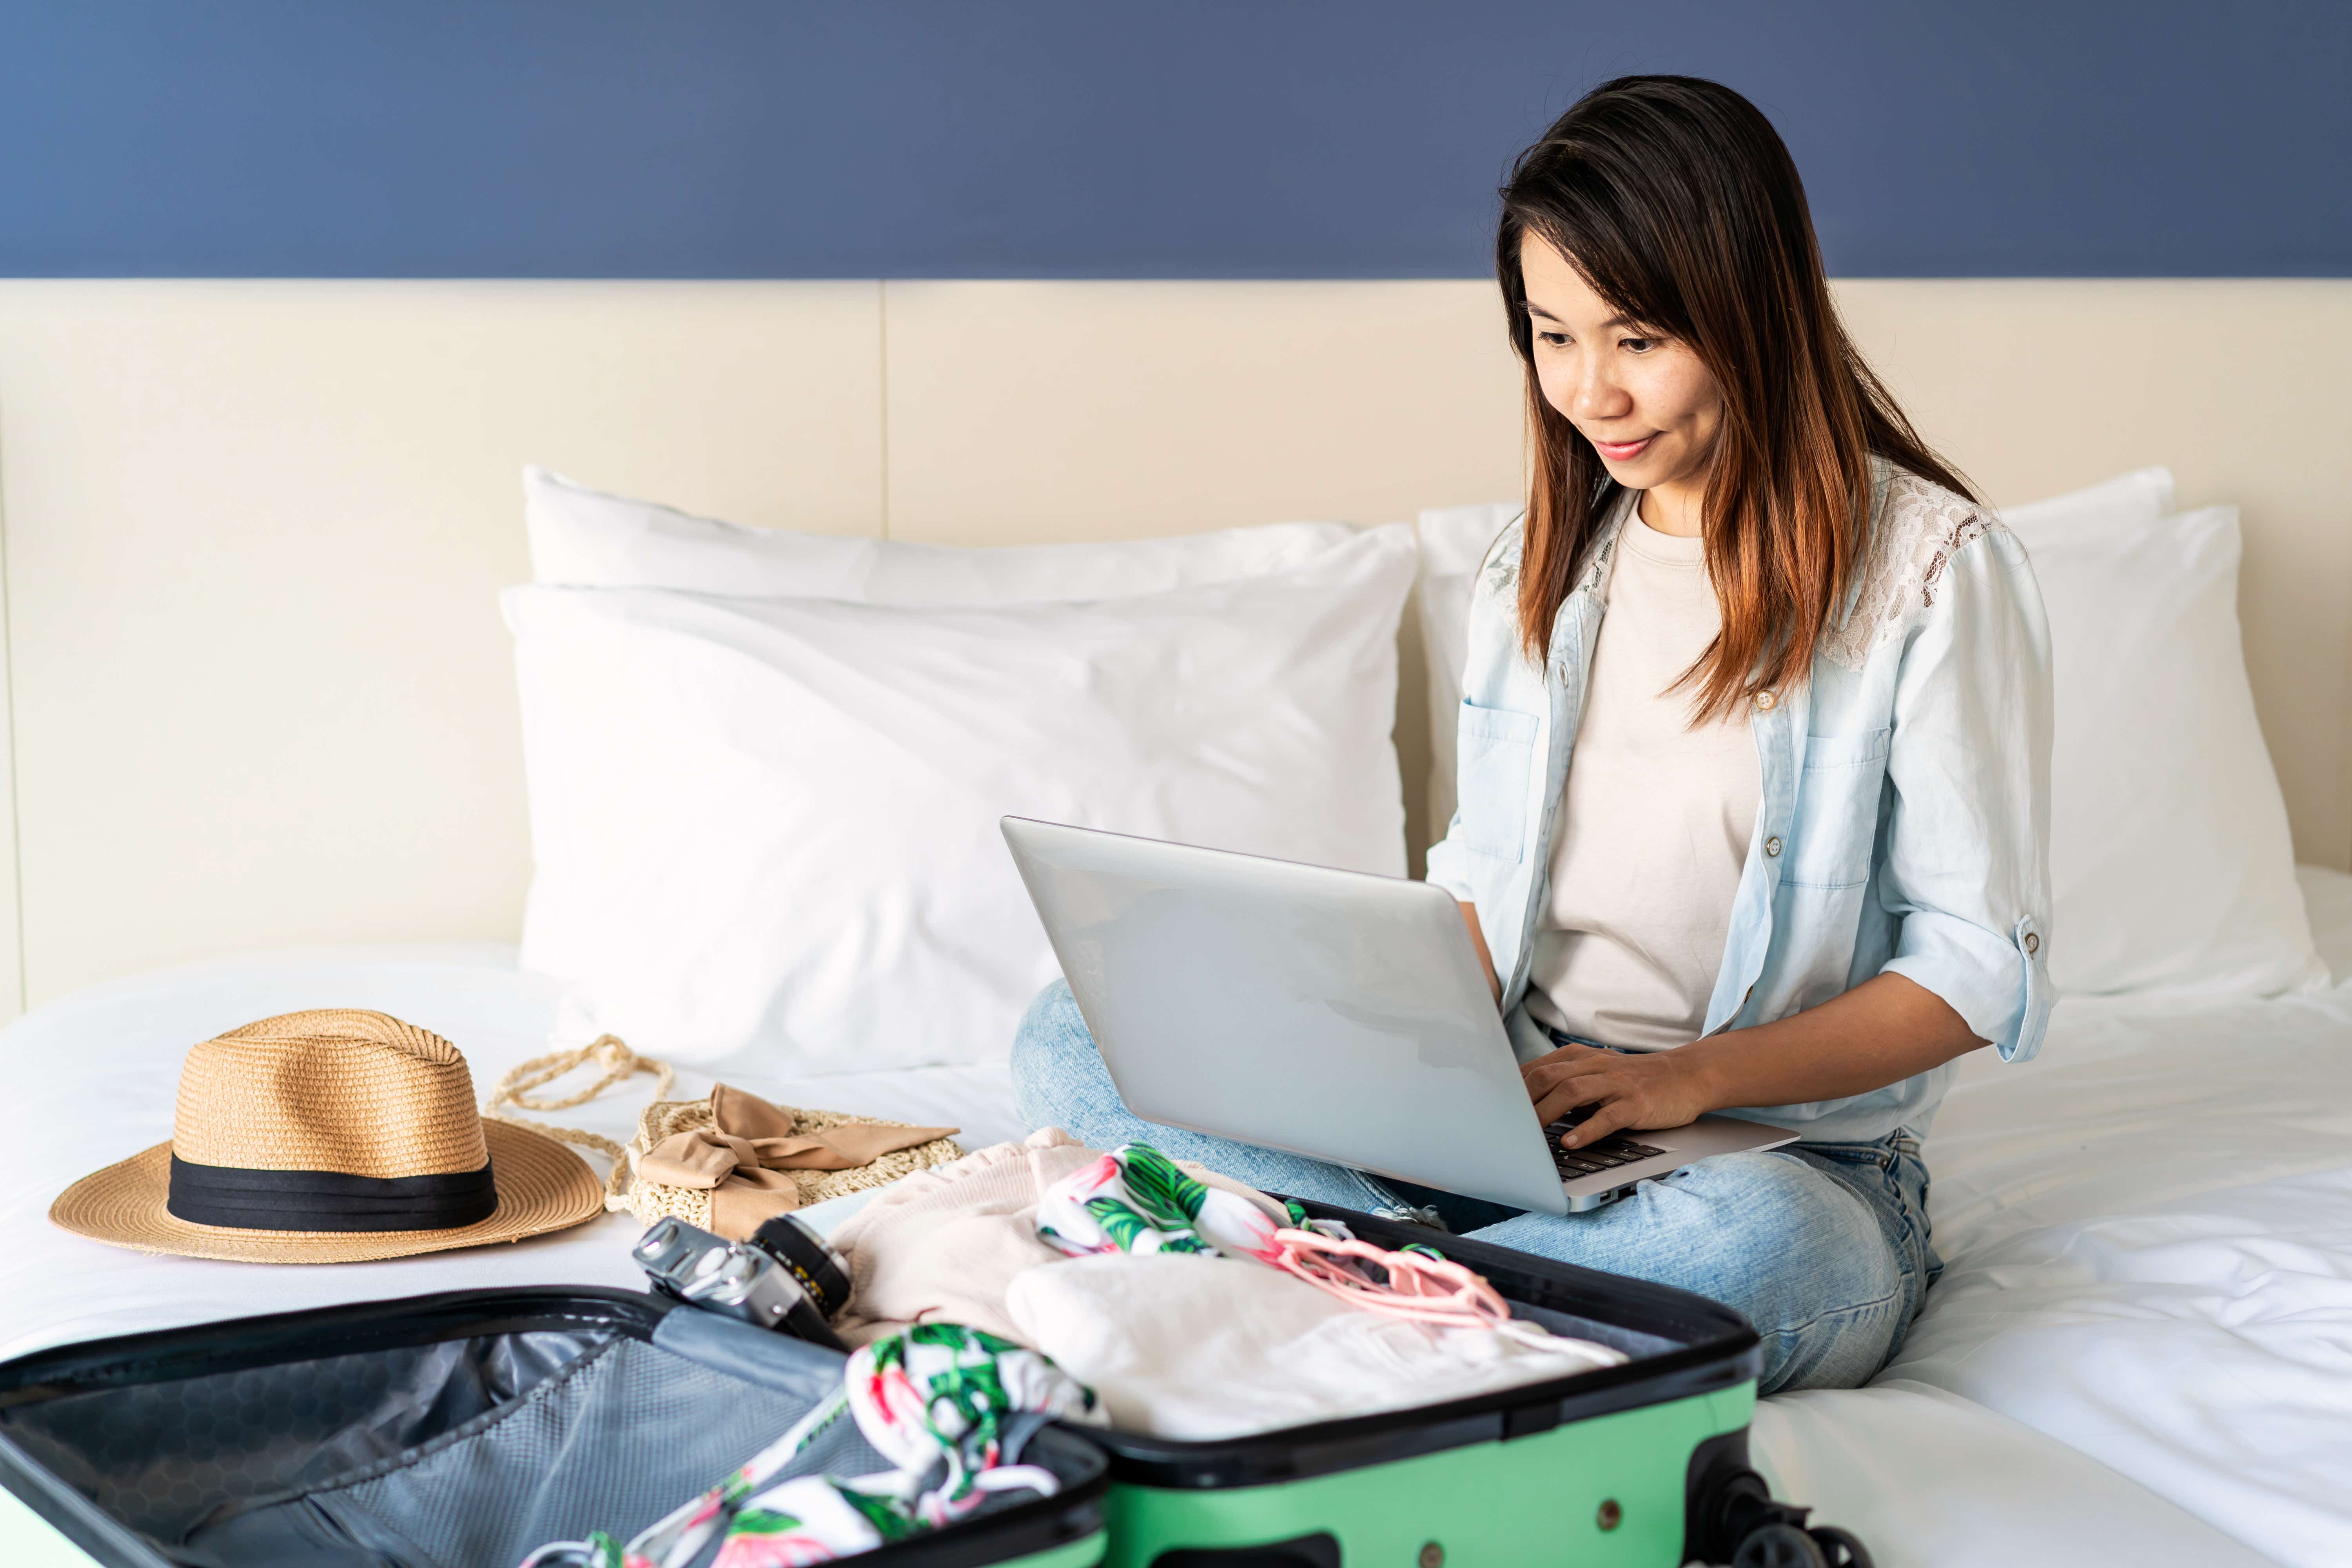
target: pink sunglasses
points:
(1419, 1288)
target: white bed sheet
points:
(94, 1075)
(2141, 1349)
(2147, 1241)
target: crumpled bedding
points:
(2149, 1247)
(2147, 1238)
(2140, 1350)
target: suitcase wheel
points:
(1781, 1543)
(1735, 1520)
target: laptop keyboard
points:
(1593, 1159)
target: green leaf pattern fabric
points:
(1135, 1199)
(950, 1406)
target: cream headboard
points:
(260, 694)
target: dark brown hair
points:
(1678, 201)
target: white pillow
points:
(1454, 543)
(2172, 864)
(585, 537)
(770, 826)
(2124, 502)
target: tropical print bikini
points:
(1135, 1199)
(950, 1406)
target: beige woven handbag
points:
(650, 1201)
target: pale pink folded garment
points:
(1183, 1346)
(942, 1245)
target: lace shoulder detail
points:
(1918, 529)
(1499, 577)
(1500, 574)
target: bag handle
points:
(620, 1063)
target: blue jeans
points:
(1824, 1246)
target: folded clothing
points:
(1135, 1199)
(942, 1245)
(1186, 1346)
(1188, 1306)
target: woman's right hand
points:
(1478, 940)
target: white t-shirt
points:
(1655, 819)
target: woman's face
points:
(1646, 402)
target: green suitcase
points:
(1640, 1466)
(458, 1430)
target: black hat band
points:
(245, 1199)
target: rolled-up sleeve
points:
(1446, 868)
(1967, 865)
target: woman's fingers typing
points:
(1614, 1115)
(1565, 1092)
(1548, 1069)
(1651, 1089)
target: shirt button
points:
(2032, 942)
(1765, 701)
(1772, 847)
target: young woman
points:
(1754, 756)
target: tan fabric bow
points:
(743, 1156)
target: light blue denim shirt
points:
(1905, 810)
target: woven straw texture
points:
(334, 1090)
(356, 1092)
(650, 1201)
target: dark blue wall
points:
(1113, 138)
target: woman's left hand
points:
(1656, 1088)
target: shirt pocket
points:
(1836, 822)
(1494, 750)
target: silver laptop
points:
(1331, 1014)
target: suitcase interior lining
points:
(468, 1451)
(161, 1455)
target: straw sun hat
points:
(330, 1137)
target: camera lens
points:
(793, 1242)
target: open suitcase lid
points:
(536, 1334)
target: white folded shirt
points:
(1182, 1346)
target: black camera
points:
(784, 1278)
